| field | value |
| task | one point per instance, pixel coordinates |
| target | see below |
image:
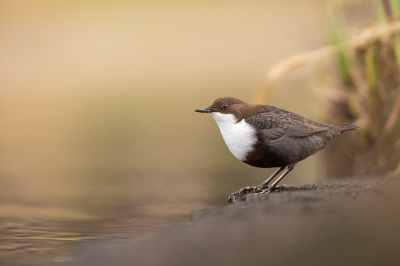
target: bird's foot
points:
(244, 191)
(247, 190)
(275, 189)
(240, 194)
(265, 191)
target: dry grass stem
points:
(367, 36)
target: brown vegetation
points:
(362, 87)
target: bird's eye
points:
(224, 106)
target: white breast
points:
(239, 137)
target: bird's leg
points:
(266, 182)
(271, 187)
(261, 187)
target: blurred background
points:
(98, 134)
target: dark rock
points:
(349, 223)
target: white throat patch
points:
(239, 137)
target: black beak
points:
(202, 110)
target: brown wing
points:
(275, 125)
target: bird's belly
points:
(283, 152)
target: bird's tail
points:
(343, 128)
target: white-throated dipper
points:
(266, 136)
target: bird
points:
(269, 137)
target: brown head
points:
(229, 105)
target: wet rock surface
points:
(349, 222)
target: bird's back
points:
(285, 138)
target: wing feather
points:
(274, 125)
